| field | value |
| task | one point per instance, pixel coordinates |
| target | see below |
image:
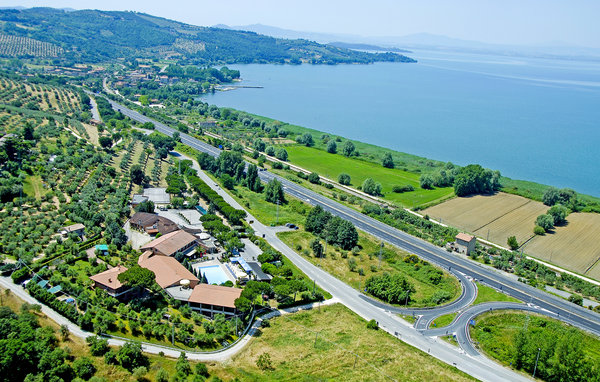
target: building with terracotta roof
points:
(109, 281)
(209, 300)
(168, 271)
(152, 223)
(171, 243)
(465, 243)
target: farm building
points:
(209, 300)
(152, 223)
(173, 242)
(108, 280)
(168, 271)
(465, 243)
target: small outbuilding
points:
(465, 243)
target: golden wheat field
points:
(575, 246)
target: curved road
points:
(478, 366)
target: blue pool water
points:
(214, 274)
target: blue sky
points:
(498, 21)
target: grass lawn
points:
(344, 351)
(32, 186)
(367, 260)
(293, 211)
(331, 165)
(444, 320)
(487, 294)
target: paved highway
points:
(477, 366)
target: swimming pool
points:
(214, 274)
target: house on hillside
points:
(152, 223)
(465, 243)
(78, 229)
(168, 271)
(171, 243)
(109, 281)
(209, 300)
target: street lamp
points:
(536, 362)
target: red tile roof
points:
(168, 271)
(109, 278)
(215, 295)
(464, 237)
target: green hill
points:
(94, 36)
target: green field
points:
(344, 350)
(487, 294)
(368, 261)
(32, 186)
(331, 165)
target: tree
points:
(426, 182)
(162, 375)
(388, 161)
(372, 324)
(64, 332)
(130, 356)
(227, 162)
(139, 373)
(147, 206)
(270, 151)
(281, 154)
(316, 220)
(545, 221)
(105, 142)
(98, 346)
(348, 148)
(347, 236)
(559, 213)
(183, 366)
(370, 187)
(392, 288)
(537, 230)
(332, 147)
(264, 362)
(344, 179)
(317, 248)
(551, 196)
(314, 178)
(576, 299)
(474, 179)
(137, 276)
(512, 243)
(137, 174)
(202, 370)
(274, 192)
(306, 139)
(84, 368)
(259, 145)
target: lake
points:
(532, 119)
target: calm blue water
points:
(532, 119)
(214, 274)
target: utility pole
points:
(277, 223)
(536, 362)
(316, 335)
(406, 302)
(380, 251)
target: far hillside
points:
(67, 36)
